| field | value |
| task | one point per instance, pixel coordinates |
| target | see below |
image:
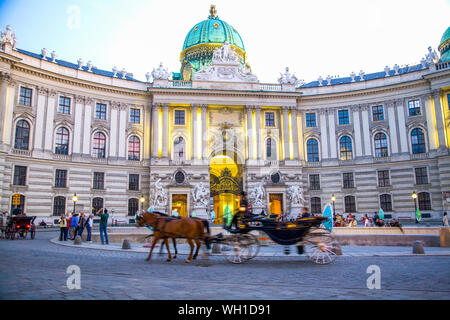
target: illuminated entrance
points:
(179, 204)
(225, 185)
(275, 203)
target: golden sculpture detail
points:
(212, 11)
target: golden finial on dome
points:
(212, 11)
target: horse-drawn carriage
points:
(307, 234)
(240, 244)
(20, 225)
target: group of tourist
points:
(73, 225)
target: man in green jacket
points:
(103, 224)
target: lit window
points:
(345, 144)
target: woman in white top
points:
(445, 219)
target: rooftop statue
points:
(161, 73)
(225, 54)
(432, 56)
(9, 36)
(288, 78)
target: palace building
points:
(192, 140)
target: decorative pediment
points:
(225, 67)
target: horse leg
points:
(166, 242)
(175, 247)
(191, 245)
(155, 240)
(198, 243)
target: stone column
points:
(332, 135)
(249, 132)
(259, 155)
(194, 135)
(49, 126)
(7, 103)
(155, 125)
(114, 130)
(390, 111)
(147, 132)
(439, 119)
(366, 130)
(204, 132)
(40, 113)
(294, 131)
(123, 119)
(401, 123)
(358, 132)
(323, 133)
(286, 133)
(165, 131)
(77, 130)
(88, 104)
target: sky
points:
(312, 38)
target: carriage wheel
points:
(234, 252)
(250, 246)
(318, 243)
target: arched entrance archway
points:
(225, 184)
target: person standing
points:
(73, 226)
(89, 222)
(445, 219)
(63, 228)
(81, 224)
(103, 224)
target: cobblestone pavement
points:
(36, 269)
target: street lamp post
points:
(75, 199)
(333, 199)
(414, 196)
(142, 202)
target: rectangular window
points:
(377, 113)
(343, 117)
(270, 119)
(350, 204)
(383, 178)
(311, 120)
(314, 182)
(100, 111)
(60, 178)
(135, 115)
(421, 175)
(20, 175)
(25, 96)
(99, 180)
(348, 180)
(64, 105)
(179, 117)
(414, 107)
(133, 182)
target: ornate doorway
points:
(225, 185)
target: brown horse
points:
(193, 229)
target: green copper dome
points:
(203, 39)
(444, 46)
(213, 30)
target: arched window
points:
(134, 148)
(316, 206)
(133, 206)
(97, 204)
(350, 204)
(59, 205)
(179, 147)
(62, 141)
(381, 147)
(386, 202)
(22, 135)
(271, 151)
(312, 150)
(424, 201)
(417, 141)
(99, 145)
(345, 144)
